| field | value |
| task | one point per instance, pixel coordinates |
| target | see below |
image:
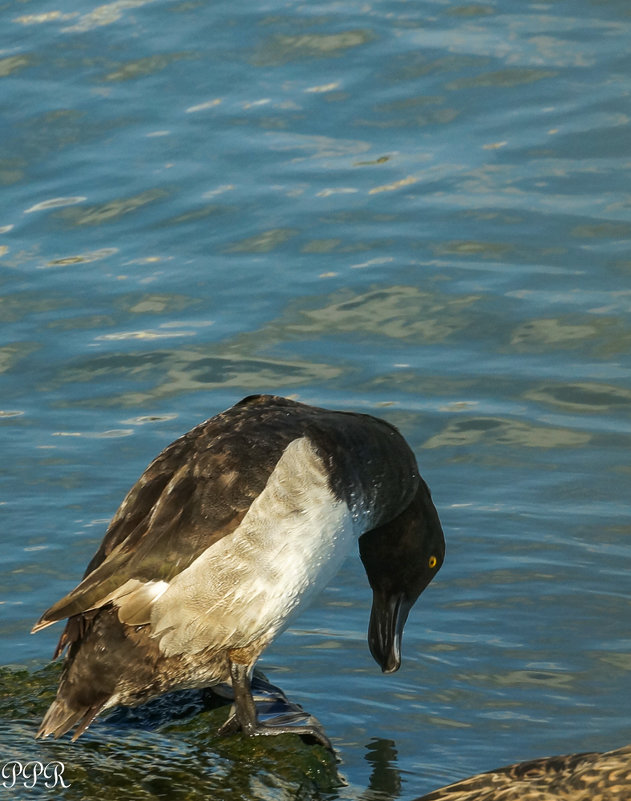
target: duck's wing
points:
(192, 495)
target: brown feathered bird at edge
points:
(574, 777)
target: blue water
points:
(420, 210)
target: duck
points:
(229, 533)
(591, 776)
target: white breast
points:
(249, 584)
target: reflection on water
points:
(400, 312)
(281, 49)
(96, 215)
(415, 210)
(384, 781)
(583, 397)
(163, 374)
(497, 432)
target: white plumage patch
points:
(248, 585)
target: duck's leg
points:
(245, 717)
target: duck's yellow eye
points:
(433, 561)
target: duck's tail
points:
(61, 717)
(100, 656)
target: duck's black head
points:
(400, 558)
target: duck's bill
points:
(385, 630)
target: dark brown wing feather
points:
(193, 494)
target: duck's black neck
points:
(371, 466)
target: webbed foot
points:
(283, 717)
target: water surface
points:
(419, 210)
